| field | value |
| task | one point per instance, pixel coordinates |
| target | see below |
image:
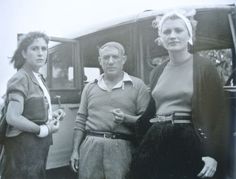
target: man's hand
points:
(74, 161)
(209, 168)
(118, 115)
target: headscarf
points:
(180, 16)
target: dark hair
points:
(18, 60)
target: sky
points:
(62, 18)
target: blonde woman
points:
(184, 125)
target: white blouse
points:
(45, 92)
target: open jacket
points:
(209, 111)
(35, 104)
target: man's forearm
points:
(77, 140)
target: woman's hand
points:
(74, 161)
(209, 168)
(58, 114)
(53, 125)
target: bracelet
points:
(44, 131)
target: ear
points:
(124, 59)
(100, 60)
(158, 41)
(23, 54)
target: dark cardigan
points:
(209, 116)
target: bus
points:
(73, 62)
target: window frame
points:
(66, 95)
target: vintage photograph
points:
(125, 90)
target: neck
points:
(113, 79)
(36, 70)
(179, 57)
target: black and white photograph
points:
(118, 90)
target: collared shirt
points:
(120, 84)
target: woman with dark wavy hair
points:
(29, 114)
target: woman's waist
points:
(177, 117)
(12, 131)
(173, 106)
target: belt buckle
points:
(166, 118)
(109, 136)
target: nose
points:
(40, 52)
(111, 60)
(172, 34)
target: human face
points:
(174, 35)
(36, 54)
(111, 61)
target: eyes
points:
(106, 58)
(169, 31)
(36, 48)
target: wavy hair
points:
(18, 60)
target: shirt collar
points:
(37, 75)
(120, 84)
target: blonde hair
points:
(187, 18)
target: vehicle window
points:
(222, 60)
(64, 72)
(91, 73)
(156, 61)
(62, 68)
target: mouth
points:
(40, 60)
(173, 43)
(111, 69)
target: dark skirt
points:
(26, 156)
(168, 151)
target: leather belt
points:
(110, 135)
(174, 118)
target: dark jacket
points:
(209, 113)
(35, 104)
